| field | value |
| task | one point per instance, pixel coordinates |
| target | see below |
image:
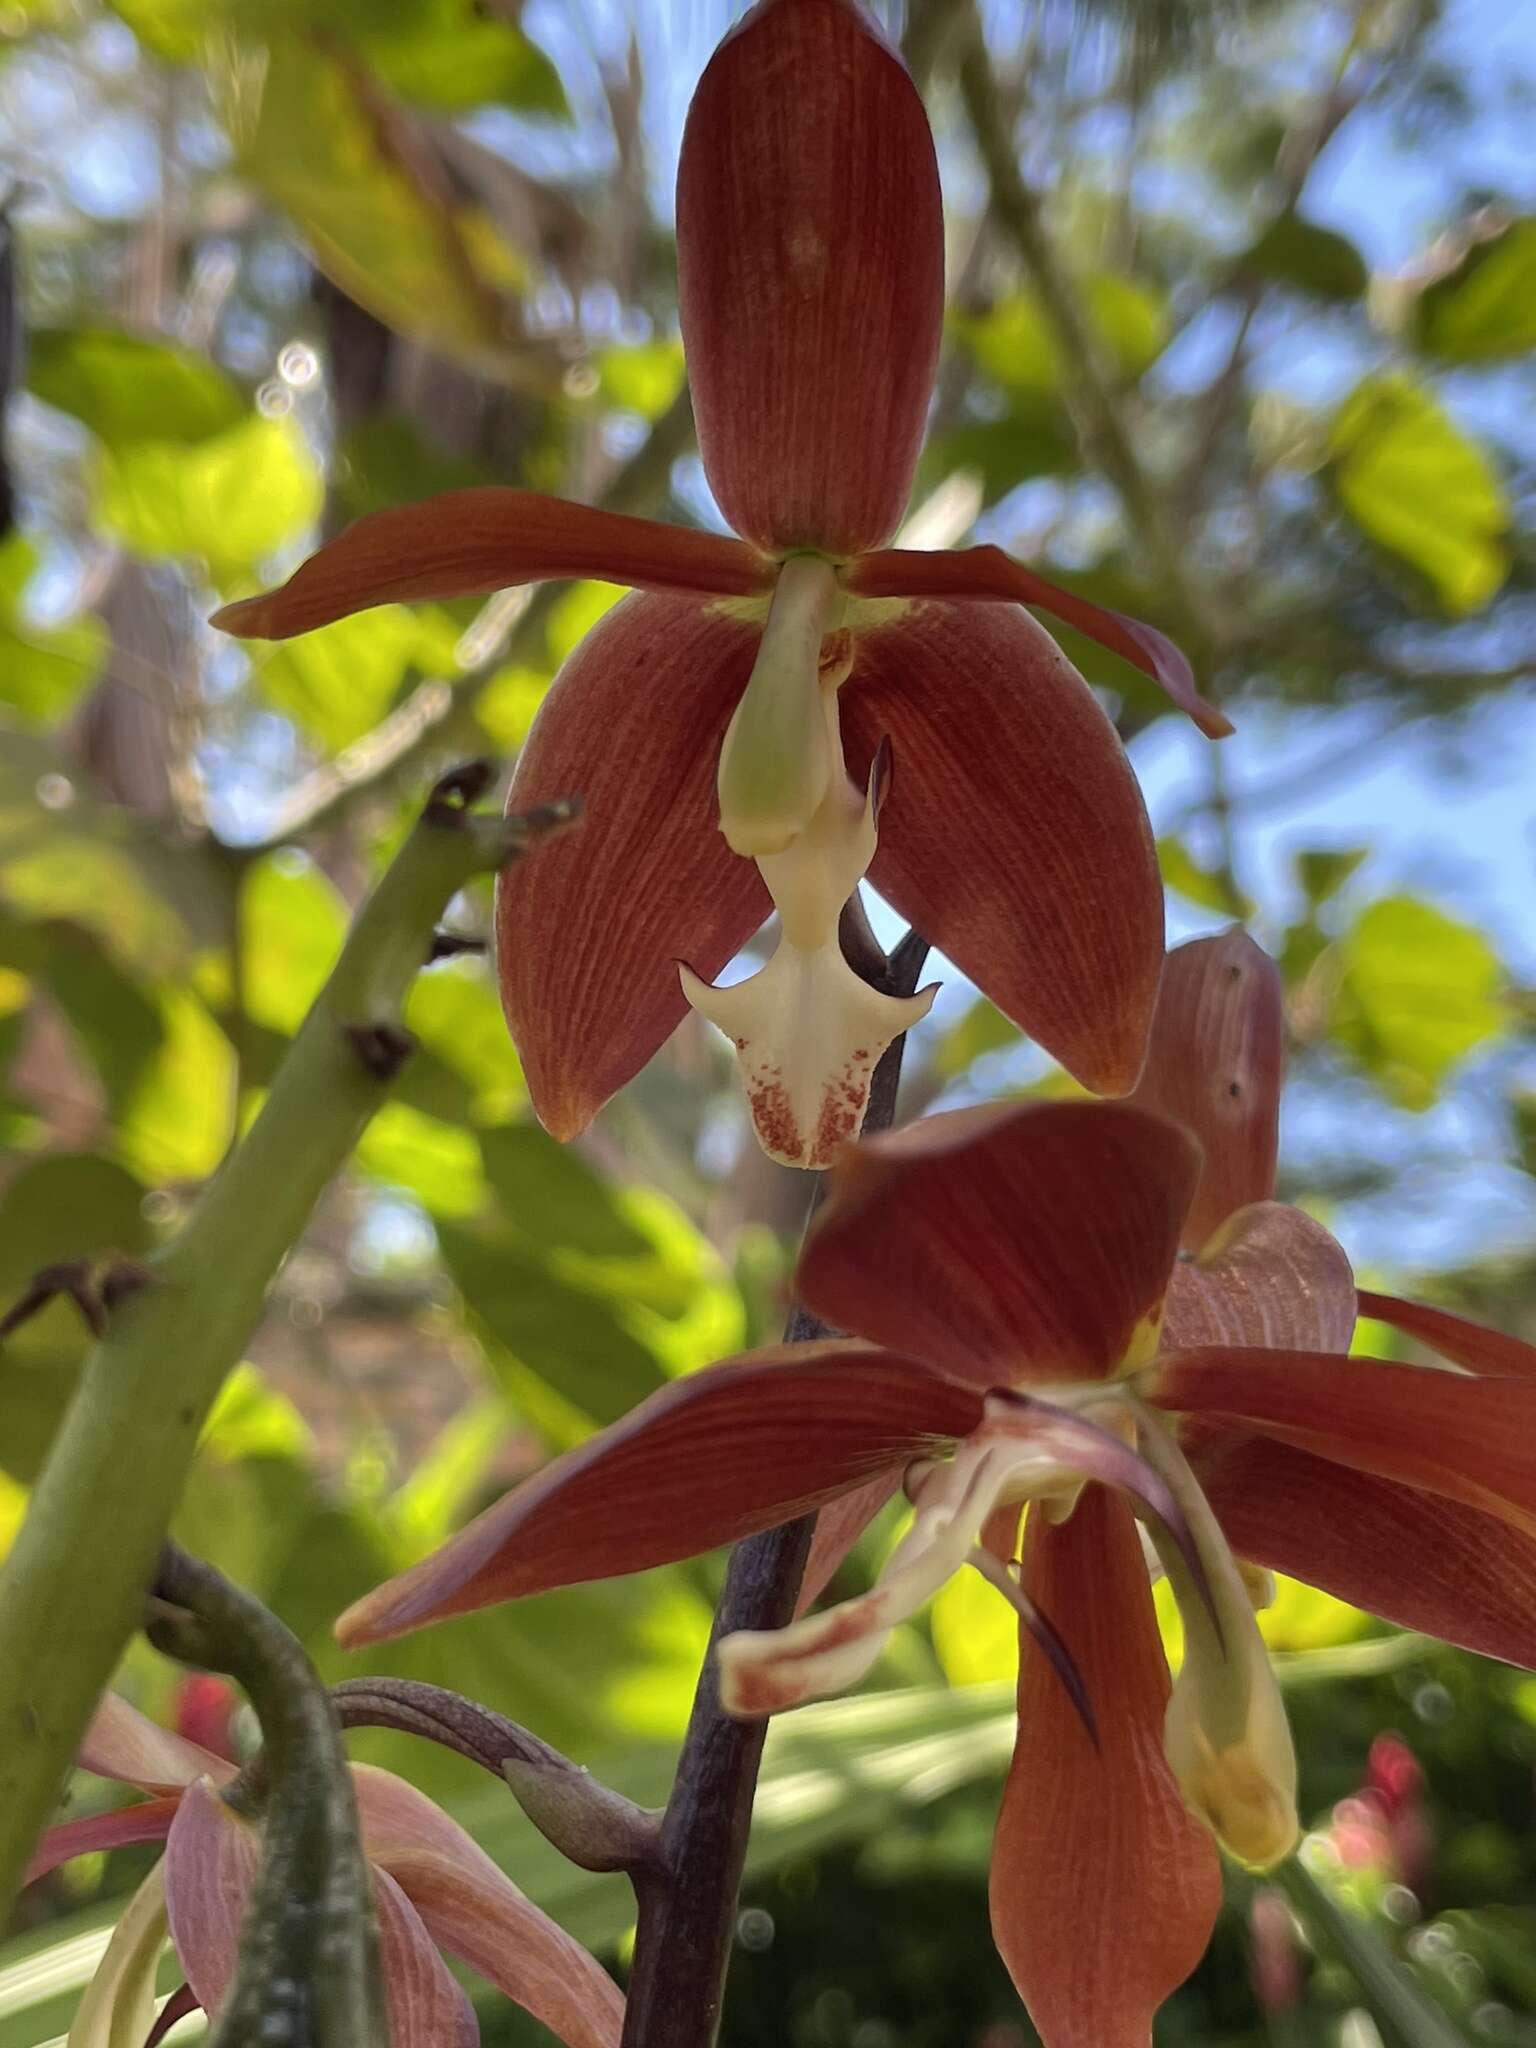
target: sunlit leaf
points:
(1196, 884)
(975, 1631)
(316, 133)
(337, 683)
(455, 55)
(292, 922)
(642, 377)
(128, 389)
(1015, 342)
(437, 1162)
(1417, 992)
(1322, 871)
(43, 668)
(230, 501)
(1421, 489)
(177, 1120)
(456, 1015)
(1484, 309)
(981, 1030)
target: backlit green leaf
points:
(1015, 343)
(1483, 310)
(1421, 489)
(1418, 991)
(127, 389)
(43, 668)
(231, 500)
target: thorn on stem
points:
(454, 792)
(382, 1049)
(543, 820)
(70, 1278)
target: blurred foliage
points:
(281, 264)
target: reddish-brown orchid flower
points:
(726, 725)
(434, 1889)
(1028, 1333)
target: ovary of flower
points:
(764, 1671)
(808, 1032)
(775, 761)
(1226, 1734)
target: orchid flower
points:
(723, 724)
(1028, 1334)
(434, 1889)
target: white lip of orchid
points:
(118, 2007)
(1226, 1734)
(1013, 1456)
(808, 1031)
(776, 762)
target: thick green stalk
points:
(73, 1588)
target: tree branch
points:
(72, 1589)
(688, 1903)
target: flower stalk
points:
(72, 1589)
(309, 1951)
(688, 1902)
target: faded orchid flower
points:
(1029, 1335)
(434, 1889)
(731, 725)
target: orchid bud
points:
(810, 252)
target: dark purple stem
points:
(688, 1898)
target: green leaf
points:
(643, 378)
(338, 683)
(175, 30)
(455, 55)
(981, 1030)
(1015, 343)
(178, 1118)
(118, 1026)
(308, 131)
(437, 1162)
(1483, 310)
(292, 923)
(232, 500)
(456, 1015)
(551, 1196)
(1421, 489)
(1322, 871)
(127, 389)
(1203, 886)
(67, 1206)
(1417, 992)
(1297, 252)
(568, 1357)
(43, 668)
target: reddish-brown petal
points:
(129, 1825)
(590, 929)
(1014, 835)
(1468, 1344)
(810, 257)
(738, 1447)
(1215, 1061)
(839, 1525)
(474, 1911)
(122, 1743)
(1009, 1244)
(465, 543)
(212, 1858)
(1104, 1885)
(1273, 1278)
(427, 2007)
(1472, 1440)
(987, 574)
(1414, 1558)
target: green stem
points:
(72, 1589)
